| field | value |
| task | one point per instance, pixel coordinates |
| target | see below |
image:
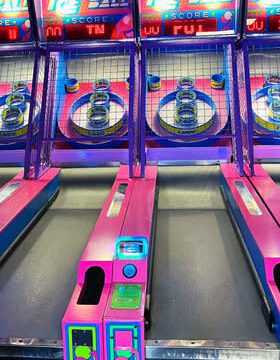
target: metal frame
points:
(19, 348)
(16, 156)
(179, 154)
(78, 157)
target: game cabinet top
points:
(84, 20)
(189, 18)
(263, 17)
(15, 22)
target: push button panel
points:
(129, 271)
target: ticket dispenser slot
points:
(93, 286)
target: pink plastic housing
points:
(134, 219)
(138, 222)
(11, 207)
(264, 229)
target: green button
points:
(82, 351)
(126, 296)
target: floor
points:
(202, 287)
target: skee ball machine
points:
(90, 78)
(190, 113)
(24, 197)
(90, 59)
(259, 83)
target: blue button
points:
(129, 271)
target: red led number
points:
(9, 34)
(88, 31)
(189, 27)
(257, 26)
(54, 32)
(274, 23)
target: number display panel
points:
(263, 17)
(15, 25)
(72, 20)
(185, 18)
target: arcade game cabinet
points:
(91, 89)
(258, 65)
(189, 111)
(24, 197)
(190, 115)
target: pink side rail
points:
(134, 219)
(138, 222)
(263, 228)
(27, 191)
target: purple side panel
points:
(245, 106)
(38, 164)
(235, 113)
(30, 132)
(213, 153)
(143, 111)
(12, 157)
(131, 115)
(266, 152)
(86, 157)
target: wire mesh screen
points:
(187, 93)
(264, 65)
(16, 73)
(90, 97)
(33, 148)
(246, 127)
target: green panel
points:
(83, 351)
(126, 296)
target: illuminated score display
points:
(58, 32)
(262, 24)
(190, 27)
(9, 34)
(179, 27)
(14, 21)
(183, 18)
(263, 19)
